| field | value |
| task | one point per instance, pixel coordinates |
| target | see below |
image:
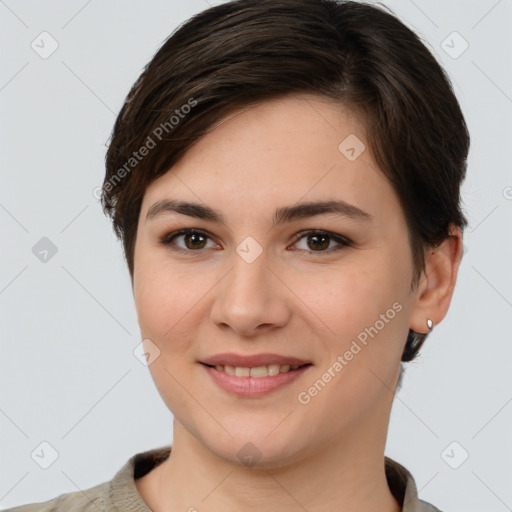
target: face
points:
(331, 288)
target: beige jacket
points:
(121, 495)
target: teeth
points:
(228, 369)
(274, 369)
(242, 372)
(259, 371)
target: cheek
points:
(361, 310)
(166, 317)
(153, 292)
(161, 299)
(168, 296)
(344, 298)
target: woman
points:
(285, 179)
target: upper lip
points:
(252, 361)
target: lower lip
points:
(251, 387)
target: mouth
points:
(270, 370)
(254, 382)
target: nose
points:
(251, 299)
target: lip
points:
(253, 387)
(252, 361)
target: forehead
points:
(298, 148)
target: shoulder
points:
(120, 493)
(403, 487)
(427, 507)
(88, 500)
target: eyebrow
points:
(281, 215)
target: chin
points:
(258, 450)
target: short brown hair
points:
(244, 52)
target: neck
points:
(346, 474)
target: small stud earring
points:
(430, 324)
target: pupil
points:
(321, 245)
(190, 237)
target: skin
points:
(327, 454)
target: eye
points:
(193, 240)
(320, 241)
(316, 241)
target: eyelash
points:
(167, 240)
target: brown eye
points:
(187, 240)
(194, 240)
(320, 242)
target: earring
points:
(430, 324)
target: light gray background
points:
(68, 328)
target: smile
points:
(258, 371)
(256, 381)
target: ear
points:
(437, 282)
